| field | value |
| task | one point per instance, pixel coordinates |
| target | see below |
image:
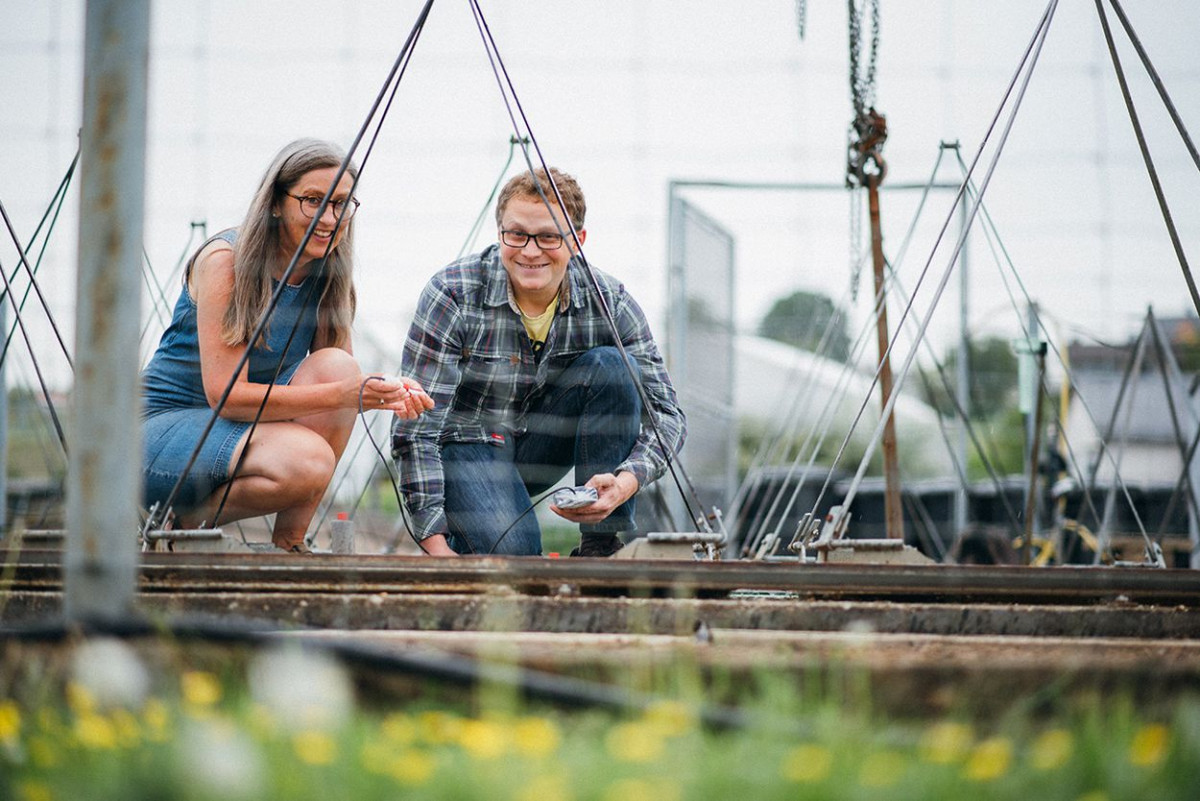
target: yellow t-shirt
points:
(537, 327)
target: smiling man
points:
(518, 352)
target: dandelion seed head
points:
(326, 700)
(110, 674)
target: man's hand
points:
(613, 490)
(436, 545)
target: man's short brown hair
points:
(522, 185)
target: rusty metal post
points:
(101, 561)
(1035, 448)
(893, 511)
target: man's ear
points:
(582, 234)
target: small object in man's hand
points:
(574, 497)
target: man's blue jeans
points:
(588, 419)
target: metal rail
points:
(935, 584)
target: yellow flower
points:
(881, 769)
(944, 743)
(412, 767)
(439, 728)
(550, 787)
(200, 688)
(10, 722)
(642, 790)
(95, 731)
(42, 753)
(672, 718)
(79, 699)
(1149, 746)
(399, 728)
(1052, 749)
(34, 791)
(536, 737)
(314, 747)
(806, 763)
(635, 742)
(484, 739)
(260, 722)
(156, 720)
(990, 760)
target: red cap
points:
(343, 516)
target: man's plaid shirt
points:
(469, 350)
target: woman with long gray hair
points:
(302, 363)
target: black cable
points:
(1158, 84)
(460, 670)
(471, 234)
(157, 292)
(513, 141)
(313, 279)
(1149, 160)
(498, 67)
(1160, 350)
(1032, 49)
(400, 62)
(37, 368)
(394, 481)
(53, 209)
(22, 260)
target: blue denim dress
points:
(175, 410)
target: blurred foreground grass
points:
(104, 720)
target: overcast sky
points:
(629, 95)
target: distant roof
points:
(1150, 416)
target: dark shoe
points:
(598, 545)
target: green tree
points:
(992, 368)
(800, 319)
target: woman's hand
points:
(403, 396)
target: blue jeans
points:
(588, 419)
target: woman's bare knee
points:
(325, 365)
(294, 462)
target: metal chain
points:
(801, 17)
(856, 247)
(868, 130)
(862, 87)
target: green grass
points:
(229, 728)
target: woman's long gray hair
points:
(256, 253)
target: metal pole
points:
(103, 475)
(1034, 448)
(893, 511)
(3, 427)
(963, 371)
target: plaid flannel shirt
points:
(469, 350)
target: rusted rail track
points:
(209, 573)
